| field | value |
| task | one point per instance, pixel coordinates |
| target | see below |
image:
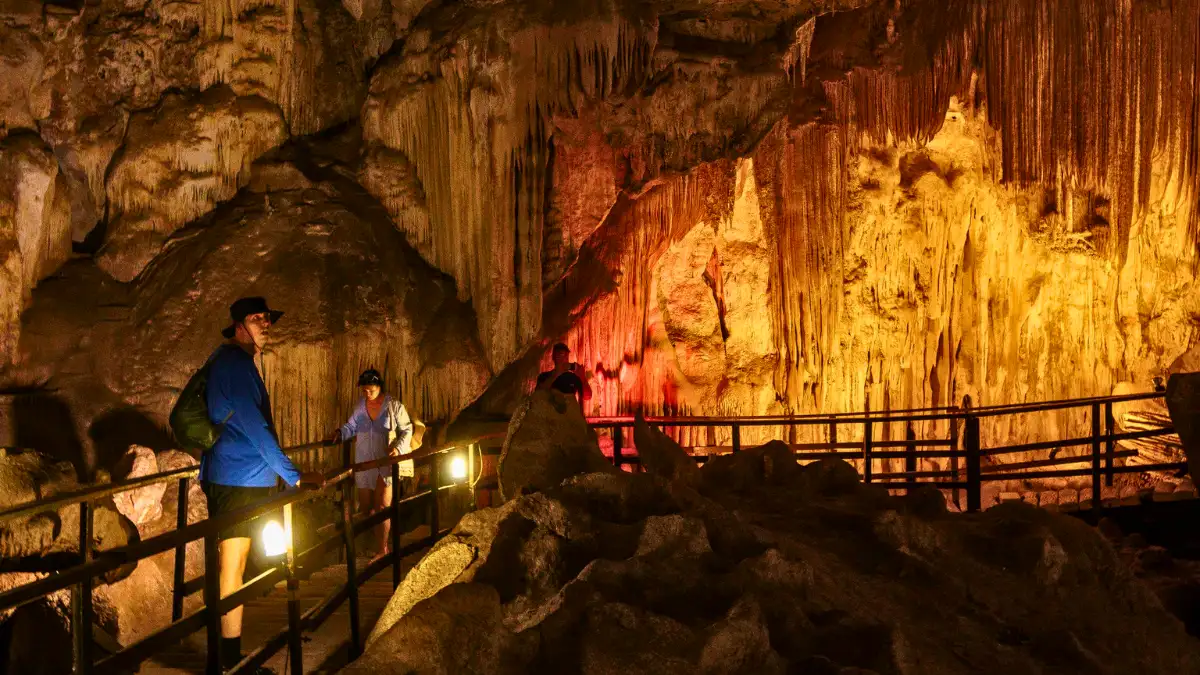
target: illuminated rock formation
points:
(724, 207)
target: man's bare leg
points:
(233, 569)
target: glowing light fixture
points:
(458, 468)
(275, 539)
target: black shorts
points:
(225, 498)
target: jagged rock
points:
(675, 533)
(621, 638)
(620, 497)
(38, 639)
(660, 455)
(139, 604)
(456, 631)
(740, 644)
(548, 442)
(144, 504)
(841, 582)
(38, 540)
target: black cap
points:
(244, 307)
(370, 376)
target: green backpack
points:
(189, 418)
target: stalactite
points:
(312, 386)
(620, 338)
(805, 172)
(1092, 93)
(795, 59)
(202, 149)
(481, 156)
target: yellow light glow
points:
(275, 539)
(458, 468)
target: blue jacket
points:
(247, 453)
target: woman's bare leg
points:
(383, 499)
(365, 500)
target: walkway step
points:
(325, 650)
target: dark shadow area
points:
(43, 422)
(113, 432)
(1171, 525)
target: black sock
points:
(231, 651)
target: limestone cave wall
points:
(722, 207)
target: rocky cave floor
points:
(751, 564)
(755, 564)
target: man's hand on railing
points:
(312, 479)
(335, 436)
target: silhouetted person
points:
(241, 468)
(566, 376)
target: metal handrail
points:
(79, 577)
(102, 490)
(860, 417)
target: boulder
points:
(741, 644)
(1183, 402)
(143, 504)
(548, 442)
(36, 640)
(456, 557)
(50, 539)
(808, 572)
(662, 456)
(458, 630)
(620, 638)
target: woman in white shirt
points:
(381, 427)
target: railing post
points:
(1096, 456)
(955, 493)
(81, 596)
(737, 437)
(832, 434)
(910, 454)
(179, 581)
(434, 488)
(396, 496)
(295, 644)
(616, 436)
(867, 450)
(472, 450)
(1109, 430)
(212, 604)
(351, 559)
(974, 475)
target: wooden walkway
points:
(325, 651)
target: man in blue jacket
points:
(241, 468)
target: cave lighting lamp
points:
(275, 539)
(458, 467)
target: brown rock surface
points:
(548, 441)
(41, 539)
(846, 581)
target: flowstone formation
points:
(722, 207)
(755, 564)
